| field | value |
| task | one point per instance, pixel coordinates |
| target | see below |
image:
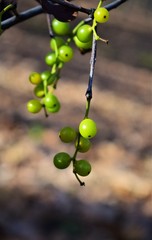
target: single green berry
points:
(62, 160)
(67, 134)
(50, 59)
(35, 78)
(34, 106)
(82, 45)
(60, 28)
(84, 33)
(87, 128)
(65, 53)
(50, 100)
(82, 167)
(83, 144)
(54, 109)
(56, 42)
(45, 75)
(101, 15)
(39, 90)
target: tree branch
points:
(25, 15)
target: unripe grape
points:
(82, 167)
(101, 15)
(87, 128)
(62, 160)
(34, 106)
(50, 59)
(35, 78)
(83, 144)
(67, 134)
(65, 53)
(84, 33)
(56, 41)
(61, 28)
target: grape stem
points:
(91, 74)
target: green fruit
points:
(56, 42)
(35, 78)
(45, 75)
(82, 45)
(34, 106)
(82, 167)
(62, 160)
(83, 145)
(84, 33)
(50, 59)
(54, 109)
(67, 134)
(39, 90)
(50, 100)
(61, 28)
(101, 15)
(65, 53)
(87, 128)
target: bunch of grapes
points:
(45, 83)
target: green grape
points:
(67, 134)
(83, 144)
(62, 160)
(35, 78)
(82, 167)
(50, 100)
(101, 15)
(87, 128)
(82, 45)
(39, 90)
(34, 106)
(84, 33)
(61, 28)
(50, 59)
(65, 53)
(54, 109)
(56, 41)
(45, 75)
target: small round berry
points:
(56, 42)
(54, 109)
(61, 28)
(35, 78)
(82, 167)
(84, 33)
(50, 59)
(50, 100)
(67, 134)
(45, 75)
(62, 160)
(87, 128)
(34, 106)
(39, 90)
(65, 53)
(101, 15)
(83, 144)
(82, 45)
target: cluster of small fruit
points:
(82, 143)
(62, 52)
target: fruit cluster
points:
(62, 35)
(81, 138)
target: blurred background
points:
(39, 202)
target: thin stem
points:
(92, 68)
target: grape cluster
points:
(62, 35)
(81, 139)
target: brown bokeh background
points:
(39, 202)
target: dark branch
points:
(23, 16)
